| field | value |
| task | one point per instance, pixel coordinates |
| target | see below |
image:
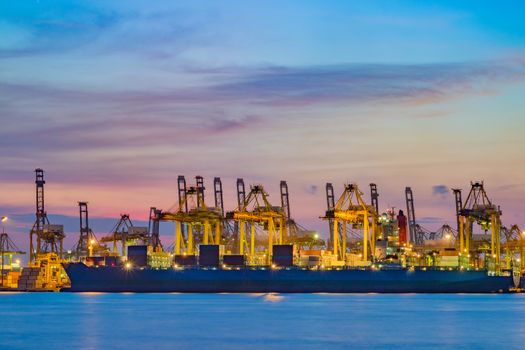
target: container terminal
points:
(259, 248)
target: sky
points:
(114, 100)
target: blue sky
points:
(116, 99)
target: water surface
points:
(259, 321)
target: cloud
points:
(312, 189)
(52, 124)
(439, 190)
(358, 83)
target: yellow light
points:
(316, 236)
(448, 236)
(523, 232)
(128, 265)
(92, 241)
(4, 218)
(17, 261)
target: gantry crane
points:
(125, 232)
(514, 244)
(49, 238)
(352, 209)
(192, 216)
(297, 234)
(7, 250)
(256, 210)
(87, 244)
(478, 208)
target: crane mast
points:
(330, 204)
(49, 238)
(411, 214)
(374, 196)
(217, 190)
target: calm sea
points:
(258, 321)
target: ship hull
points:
(195, 280)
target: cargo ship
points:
(209, 272)
(282, 280)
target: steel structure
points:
(374, 197)
(125, 232)
(154, 229)
(87, 244)
(192, 216)
(478, 208)
(514, 246)
(330, 204)
(445, 232)
(48, 238)
(415, 238)
(459, 205)
(219, 197)
(256, 210)
(7, 249)
(352, 209)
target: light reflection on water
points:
(260, 321)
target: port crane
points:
(7, 250)
(125, 232)
(351, 209)
(297, 234)
(255, 210)
(193, 219)
(44, 237)
(514, 245)
(87, 244)
(479, 209)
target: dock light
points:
(92, 241)
(273, 266)
(316, 236)
(128, 265)
(523, 232)
(448, 236)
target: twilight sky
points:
(115, 100)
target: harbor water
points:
(261, 321)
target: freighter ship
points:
(282, 280)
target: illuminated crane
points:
(514, 244)
(193, 216)
(87, 244)
(352, 209)
(49, 238)
(297, 234)
(7, 250)
(478, 208)
(125, 232)
(256, 210)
